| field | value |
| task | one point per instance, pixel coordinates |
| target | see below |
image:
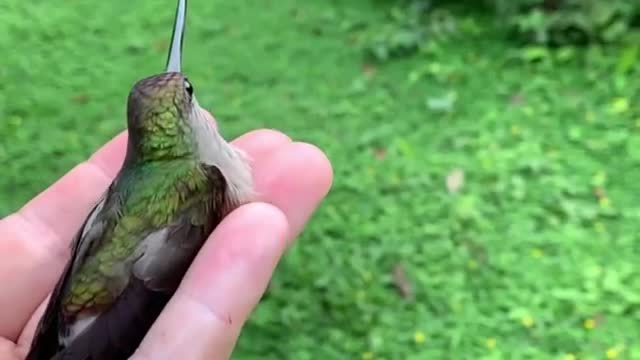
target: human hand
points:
(204, 318)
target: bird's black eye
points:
(188, 87)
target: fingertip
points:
(261, 143)
(295, 179)
(323, 167)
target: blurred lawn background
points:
(486, 200)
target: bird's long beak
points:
(174, 62)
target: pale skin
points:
(204, 318)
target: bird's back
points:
(131, 255)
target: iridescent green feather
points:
(152, 202)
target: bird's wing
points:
(45, 342)
(159, 262)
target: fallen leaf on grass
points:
(455, 180)
(368, 69)
(599, 193)
(401, 282)
(161, 45)
(516, 99)
(379, 153)
(81, 98)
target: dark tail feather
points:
(117, 333)
(43, 347)
(45, 340)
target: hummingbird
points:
(178, 180)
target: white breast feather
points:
(232, 162)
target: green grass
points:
(525, 261)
